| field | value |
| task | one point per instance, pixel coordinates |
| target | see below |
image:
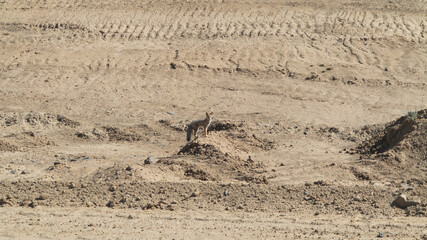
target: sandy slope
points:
(295, 87)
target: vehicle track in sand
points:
(359, 37)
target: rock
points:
(320, 183)
(380, 235)
(402, 202)
(357, 198)
(56, 163)
(149, 160)
(112, 188)
(41, 197)
(171, 113)
(24, 203)
(149, 206)
(226, 192)
(333, 130)
(170, 208)
(72, 185)
(195, 194)
(3, 201)
(110, 204)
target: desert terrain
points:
(319, 119)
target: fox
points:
(195, 125)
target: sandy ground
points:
(306, 140)
(43, 223)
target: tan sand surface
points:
(311, 136)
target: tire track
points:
(192, 21)
(300, 28)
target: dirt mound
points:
(36, 119)
(197, 173)
(402, 135)
(401, 145)
(28, 139)
(22, 141)
(115, 134)
(403, 130)
(224, 154)
(28, 130)
(114, 173)
(226, 140)
(196, 149)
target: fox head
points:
(209, 115)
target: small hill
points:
(400, 148)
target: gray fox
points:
(195, 125)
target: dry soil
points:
(311, 135)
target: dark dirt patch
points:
(223, 126)
(198, 173)
(117, 134)
(361, 175)
(36, 119)
(6, 147)
(118, 172)
(110, 133)
(196, 149)
(66, 121)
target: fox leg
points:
(206, 131)
(195, 131)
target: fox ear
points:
(207, 114)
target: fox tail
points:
(189, 132)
